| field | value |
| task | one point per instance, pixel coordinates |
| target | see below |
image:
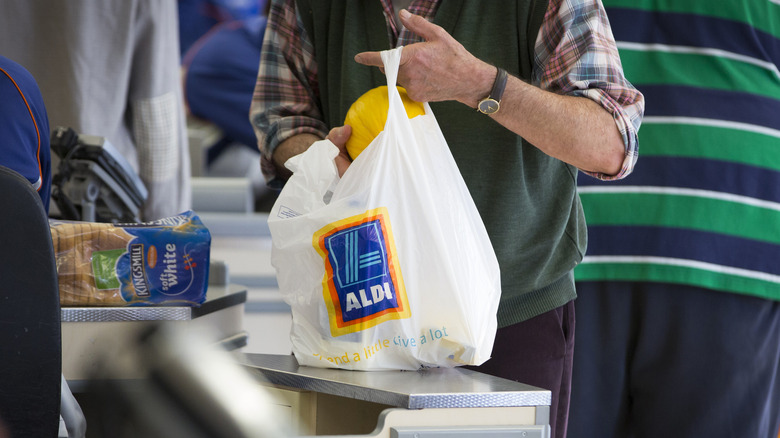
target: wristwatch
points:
(492, 103)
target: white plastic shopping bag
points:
(389, 267)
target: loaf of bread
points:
(74, 244)
(163, 262)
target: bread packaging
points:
(164, 262)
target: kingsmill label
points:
(363, 285)
(165, 261)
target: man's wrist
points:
(289, 148)
(483, 78)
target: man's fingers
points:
(374, 59)
(369, 58)
(414, 23)
(342, 164)
(419, 25)
(340, 135)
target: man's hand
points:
(299, 143)
(339, 137)
(438, 69)
(573, 129)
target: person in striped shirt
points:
(566, 106)
(678, 319)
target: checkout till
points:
(168, 361)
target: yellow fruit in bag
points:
(368, 114)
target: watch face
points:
(488, 106)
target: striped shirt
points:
(704, 207)
(574, 55)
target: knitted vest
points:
(527, 200)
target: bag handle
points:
(396, 111)
(392, 61)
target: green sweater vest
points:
(527, 200)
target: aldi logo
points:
(363, 285)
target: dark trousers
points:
(670, 360)
(539, 352)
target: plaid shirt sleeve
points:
(576, 54)
(285, 95)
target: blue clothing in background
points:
(197, 17)
(221, 75)
(24, 128)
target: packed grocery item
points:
(388, 266)
(368, 114)
(164, 262)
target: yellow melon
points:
(368, 114)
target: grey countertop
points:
(217, 298)
(422, 389)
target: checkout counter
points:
(204, 385)
(88, 333)
(429, 403)
(300, 401)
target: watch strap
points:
(499, 85)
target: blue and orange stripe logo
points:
(363, 285)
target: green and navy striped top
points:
(703, 204)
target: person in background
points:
(220, 76)
(219, 71)
(24, 128)
(565, 105)
(678, 308)
(111, 69)
(199, 17)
